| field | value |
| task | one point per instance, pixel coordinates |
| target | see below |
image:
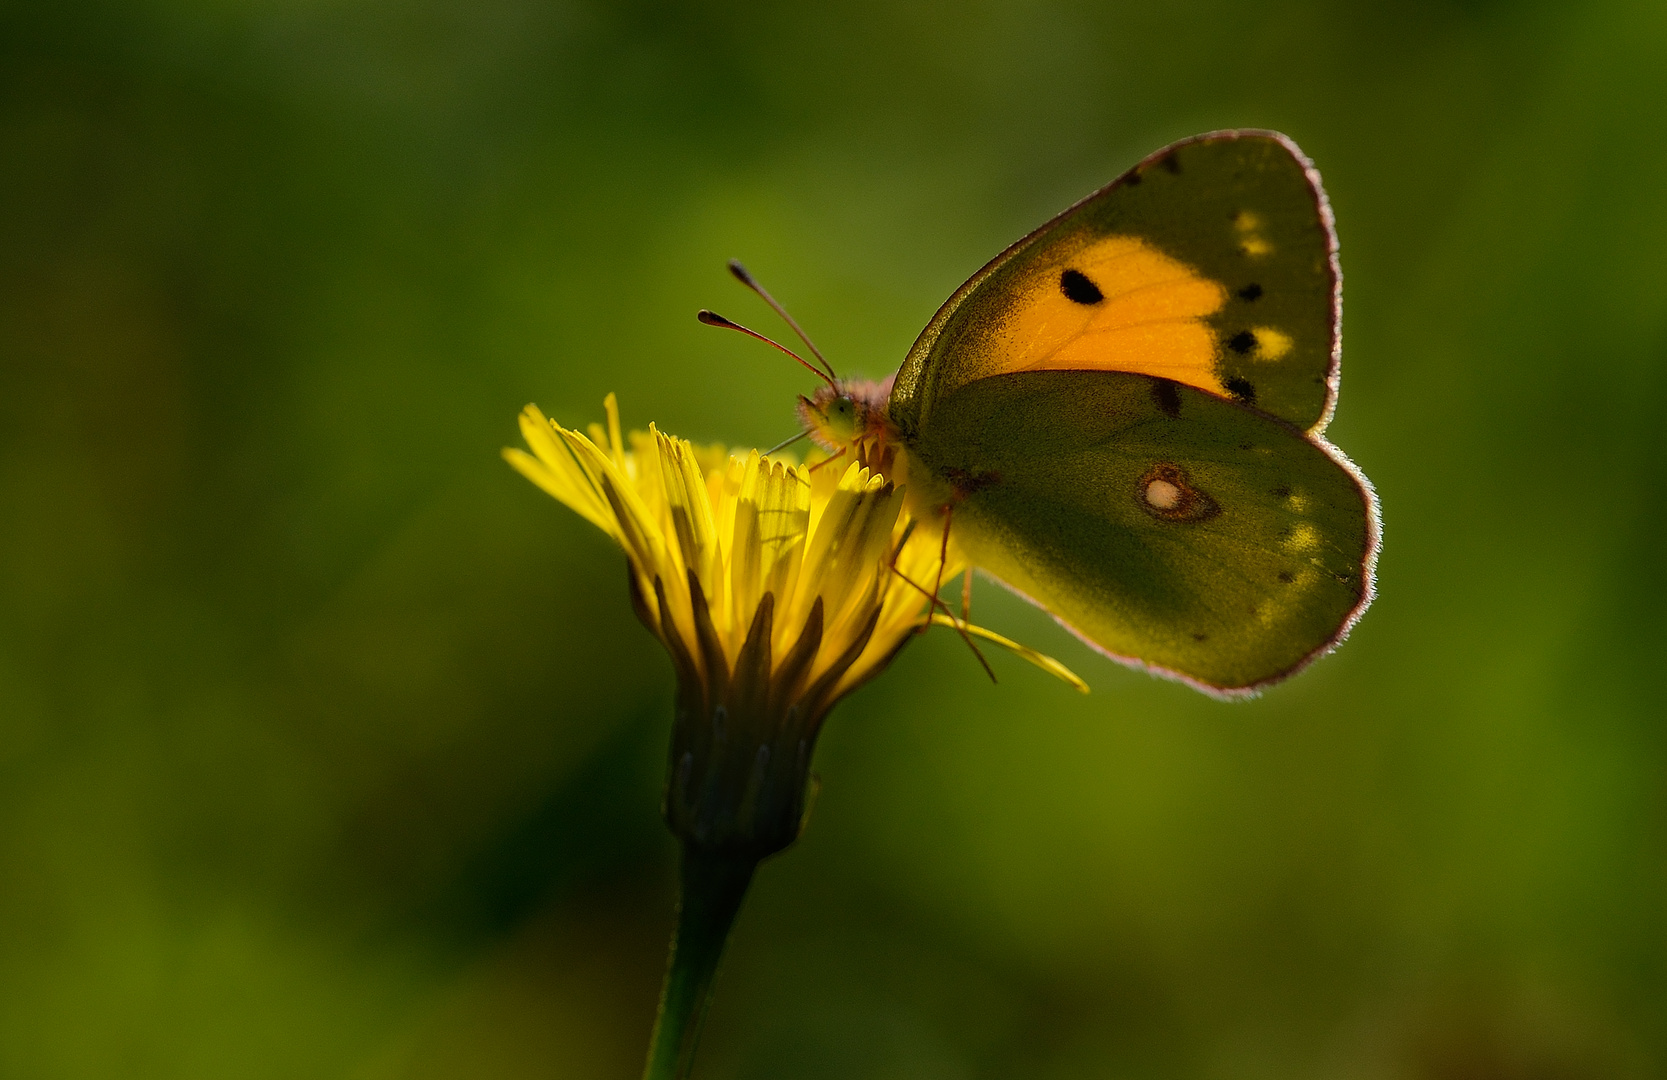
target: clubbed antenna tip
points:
(741, 274)
(744, 276)
(712, 318)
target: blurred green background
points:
(329, 747)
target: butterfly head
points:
(846, 413)
(832, 417)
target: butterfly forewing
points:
(1162, 523)
(1124, 412)
(1212, 264)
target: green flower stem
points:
(712, 889)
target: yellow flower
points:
(777, 589)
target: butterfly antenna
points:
(712, 318)
(744, 276)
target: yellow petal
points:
(691, 514)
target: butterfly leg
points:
(966, 592)
(896, 553)
(943, 551)
(835, 456)
(937, 601)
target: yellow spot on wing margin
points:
(1249, 226)
(1271, 344)
(1303, 537)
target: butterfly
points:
(1121, 418)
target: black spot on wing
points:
(1077, 288)
(1287, 577)
(1167, 396)
(1242, 342)
(1250, 292)
(1172, 162)
(1132, 179)
(1240, 388)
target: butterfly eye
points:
(838, 418)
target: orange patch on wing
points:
(1148, 318)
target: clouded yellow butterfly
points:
(1120, 417)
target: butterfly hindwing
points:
(1212, 263)
(1162, 523)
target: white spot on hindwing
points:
(1167, 493)
(1163, 495)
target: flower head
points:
(776, 588)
